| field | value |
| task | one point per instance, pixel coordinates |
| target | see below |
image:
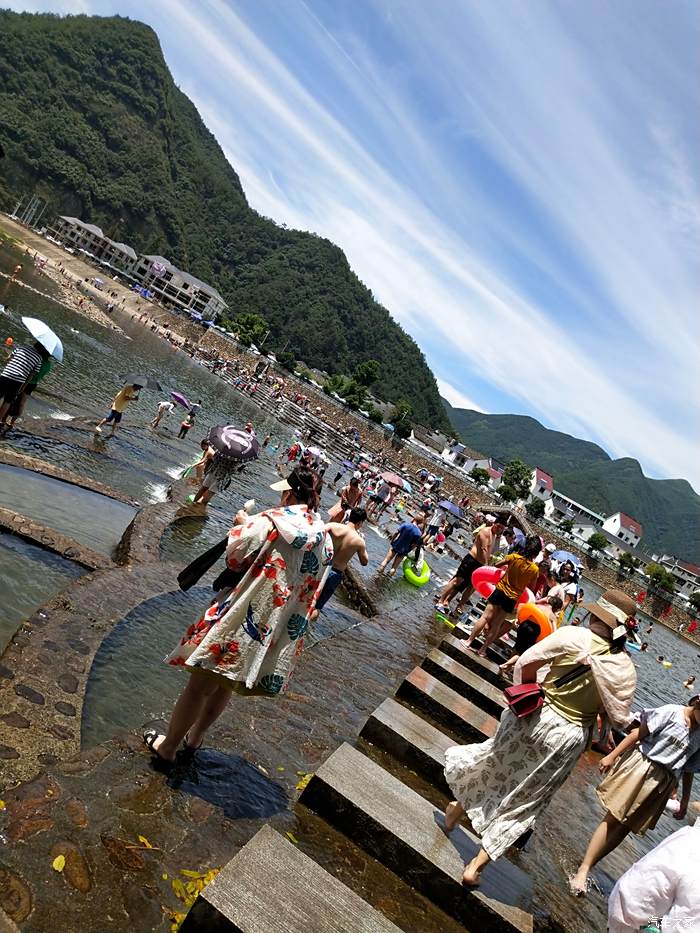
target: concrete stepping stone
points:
(410, 739)
(446, 706)
(486, 669)
(272, 887)
(404, 831)
(465, 682)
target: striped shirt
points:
(23, 363)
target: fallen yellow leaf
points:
(304, 780)
(292, 838)
(2, 804)
(191, 874)
(165, 876)
(145, 842)
(280, 768)
(59, 863)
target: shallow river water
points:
(141, 463)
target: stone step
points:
(410, 739)
(404, 831)
(498, 651)
(465, 682)
(272, 887)
(446, 706)
(483, 667)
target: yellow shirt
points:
(578, 701)
(122, 399)
(520, 573)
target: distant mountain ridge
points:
(669, 509)
(91, 120)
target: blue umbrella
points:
(448, 506)
(563, 556)
(349, 465)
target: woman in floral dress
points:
(251, 636)
(503, 785)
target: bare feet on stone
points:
(453, 814)
(472, 876)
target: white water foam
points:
(61, 416)
(157, 492)
(377, 531)
(176, 472)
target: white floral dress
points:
(254, 634)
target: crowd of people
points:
(570, 674)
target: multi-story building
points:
(564, 507)
(687, 575)
(178, 288)
(87, 237)
(541, 485)
(173, 286)
(622, 526)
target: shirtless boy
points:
(480, 554)
(347, 541)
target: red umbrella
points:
(393, 479)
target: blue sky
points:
(514, 181)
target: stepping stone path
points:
(447, 706)
(404, 831)
(464, 682)
(272, 887)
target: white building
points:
(541, 485)
(564, 507)
(687, 575)
(87, 237)
(456, 454)
(173, 286)
(622, 526)
(178, 288)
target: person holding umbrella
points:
(26, 362)
(228, 451)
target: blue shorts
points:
(115, 416)
(329, 587)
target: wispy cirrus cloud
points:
(512, 181)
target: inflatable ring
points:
(532, 612)
(484, 580)
(633, 645)
(410, 573)
(667, 663)
(527, 596)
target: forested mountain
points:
(668, 509)
(91, 119)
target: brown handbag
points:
(526, 699)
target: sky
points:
(516, 182)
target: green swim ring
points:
(409, 571)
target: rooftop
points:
(544, 478)
(630, 524)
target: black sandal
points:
(149, 738)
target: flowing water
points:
(129, 684)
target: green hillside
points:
(91, 119)
(668, 509)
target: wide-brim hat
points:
(613, 608)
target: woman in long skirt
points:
(251, 637)
(502, 785)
